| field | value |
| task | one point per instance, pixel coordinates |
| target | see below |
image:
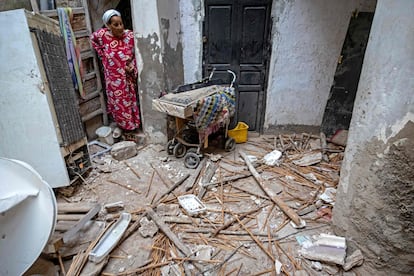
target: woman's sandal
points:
(117, 133)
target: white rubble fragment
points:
(316, 265)
(215, 157)
(278, 267)
(203, 252)
(329, 195)
(331, 240)
(271, 158)
(325, 248)
(355, 259)
(309, 159)
(114, 206)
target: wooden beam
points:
(167, 231)
(283, 206)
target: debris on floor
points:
(264, 208)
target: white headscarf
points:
(108, 14)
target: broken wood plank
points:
(69, 217)
(167, 231)
(324, 145)
(286, 209)
(230, 222)
(227, 179)
(72, 231)
(80, 260)
(255, 238)
(229, 232)
(208, 175)
(195, 176)
(35, 6)
(179, 220)
(309, 159)
(74, 207)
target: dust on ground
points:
(241, 231)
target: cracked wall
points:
(159, 55)
(374, 207)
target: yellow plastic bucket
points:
(239, 133)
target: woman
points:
(115, 47)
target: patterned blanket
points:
(213, 112)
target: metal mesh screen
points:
(63, 92)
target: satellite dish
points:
(28, 212)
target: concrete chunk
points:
(148, 228)
(124, 150)
(355, 259)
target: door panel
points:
(248, 102)
(254, 20)
(219, 34)
(236, 36)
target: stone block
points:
(124, 150)
(148, 228)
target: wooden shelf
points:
(53, 13)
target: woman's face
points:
(116, 26)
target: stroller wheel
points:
(179, 150)
(230, 144)
(170, 147)
(191, 160)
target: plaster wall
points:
(192, 16)
(307, 38)
(374, 207)
(172, 49)
(159, 50)
(147, 34)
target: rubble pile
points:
(264, 208)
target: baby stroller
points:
(210, 118)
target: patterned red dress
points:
(121, 88)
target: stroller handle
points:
(234, 77)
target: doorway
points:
(338, 111)
(236, 37)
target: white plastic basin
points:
(28, 212)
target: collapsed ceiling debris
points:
(231, 216)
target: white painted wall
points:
(385, 99)
(307, 40)
(145, 22)
(192, 16)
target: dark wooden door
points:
(338, 111)
(236, 37)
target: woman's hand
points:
(129, 68)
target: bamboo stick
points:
(124, 186)
(150, 183)
(286, 209)
(132, 169)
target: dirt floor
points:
(241, 231)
